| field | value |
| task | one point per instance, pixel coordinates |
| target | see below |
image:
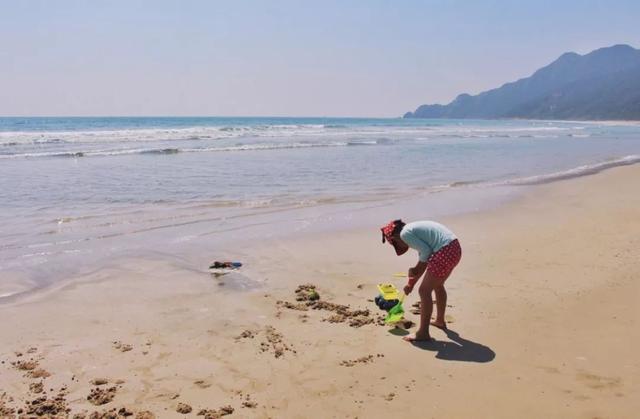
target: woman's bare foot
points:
(439, 324)
(418, 337)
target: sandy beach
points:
(543, 323)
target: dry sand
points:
(544, 322)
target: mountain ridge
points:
(603, 84)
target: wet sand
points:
(543, 322)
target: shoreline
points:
(484, 196)
(542, 310)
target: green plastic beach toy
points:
(396, 313)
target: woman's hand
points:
(407, 289)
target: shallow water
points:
(78, 192)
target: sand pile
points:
(183, 408)
(38, 373)
(100, 396)
(415, 308)
(309, 299)
(36, 388)
(5, 408)
(274, 343)
(50, 407)
(55, 404)
(116, 413)
(362, 360)
(30, 367)
(249, 404)
(122, 347)
(246, 400)
(216, 414)
(246, 334)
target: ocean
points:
(78, 193)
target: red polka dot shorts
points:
(442, 262)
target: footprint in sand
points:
(99, 381)
(202, 383)
(599, 382)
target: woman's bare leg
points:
(441, 306)
(429, 284)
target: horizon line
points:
(202, 116)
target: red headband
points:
(387, 231)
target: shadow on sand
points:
(457, 349)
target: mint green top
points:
(427, 237)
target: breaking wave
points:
(583, 170)
(169, 151)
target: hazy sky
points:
(298, 58)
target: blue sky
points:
(297, 58)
